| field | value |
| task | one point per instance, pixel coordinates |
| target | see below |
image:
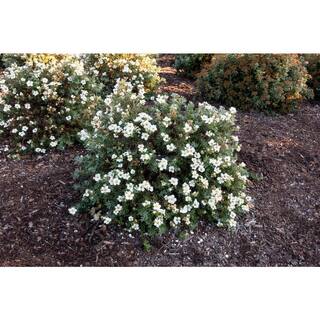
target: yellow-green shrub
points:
(268, 82)
(140, 69)
(31, 58)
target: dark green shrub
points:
(313, 67)
(268, 82)
(190, 64)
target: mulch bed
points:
(283, 229)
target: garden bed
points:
(283, 228)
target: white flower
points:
(126, 69)
(6, 108)
(84, 135)
(29, 83)
(53, 144)
(174, 181)
(145, 157)
(196, 203)
(171, 147)
(186, 189)
(162, 164)
(158, 221)
(171, 169)
(187, 128)
(114, 181)
(135, 226)
(165, 137)
(188, 150)
(171, 199)
(72, 210)
(128, 195)
(87, 193)
(144, 136)
(105, 189)
(68, 118)
(117, 209)
(106, 220)
(166, 122)
(176, 220)
(128, 130)
(34, 130)
(233, 110)
(97, 177)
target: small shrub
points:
(161, 166)
(191, 64)
(21, 59)
(313, 67)
(140, 70)
(267, 82)
(44, 105)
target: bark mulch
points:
(283, 229)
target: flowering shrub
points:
(269, 82)
(137, 68)
(313, 67)
(28, 58)
(44, 105)
(169, 165)
(190, 64)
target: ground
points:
(283, 228)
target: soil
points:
(283, 228)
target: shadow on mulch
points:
(283, 229)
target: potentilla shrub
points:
(169, 164)
(191, 64)
(268, 82)
(313, 67)
(139, 69)
(45, 105)
(21, 59)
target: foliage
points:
(44, 105)
(160, 166)
(268, 82)
(139, 69)
(190, 64)
(313, 67)
(1, 61)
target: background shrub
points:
(191, 64)
(1, 61)
(44, 105)
(268, 82)
(141, 70)
(169, 165)
(29, 58)
(313, 67)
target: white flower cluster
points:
(162, 166)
